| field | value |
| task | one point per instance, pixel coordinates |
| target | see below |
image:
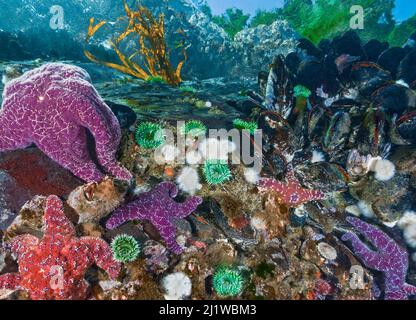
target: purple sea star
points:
(390, 258)
(53, 107)
(160, 209)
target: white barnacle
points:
(177, 286)
(327, 251)
(384, 169)
(188, 180)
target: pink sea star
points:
(160, 209)
(53, 107)
(54, 267)
(290, 193)
(390, 258)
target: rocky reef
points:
(211, 52)
(112, 187)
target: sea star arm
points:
(56, 223)
(310, 195)
(396, 295)
(22, 244)
(290, 175)
(11, 135)
(95, 116)
(167, 188)
(9, 281)
(184, 209)
(101, 254)
(168, 233)
(409, 289)
(69, 148)
(268, 183)
(178, 210)
(370, 258)
(377, 237)
(130, 211)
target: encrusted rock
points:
(94, 201)
(327, 251)
(258, 46)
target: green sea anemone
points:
(155, 79)
(228, 281)
(245, 125)
(216, 171)
(187, 89)
(193, 128)
(150, 135)
(125, 248)
(301, 91)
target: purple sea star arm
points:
(378, 238)
(409, 289)
(395, 295)
(69, 148)
(184, 209)
(168, 232)
(166, 189)
(178, 210)
(129, 212)
(390, 258)
(11, 137)
(159, 207)
(52, 107)
(369, 257)
(96, 117)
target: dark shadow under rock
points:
(26, 173)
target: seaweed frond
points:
(151, 46)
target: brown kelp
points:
(151, 47)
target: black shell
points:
(374, 49)
(292, 62)
(407, 68)
(394, 98)
(406, 126)
(309, 49)
(391, 58)
(125, 115)
(349, 43)
(310, 73)
(280, 88)
(262, 82)
(279, 142)
(325, 45)
(368, 77)
(370, 137)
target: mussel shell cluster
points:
(362, 98)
